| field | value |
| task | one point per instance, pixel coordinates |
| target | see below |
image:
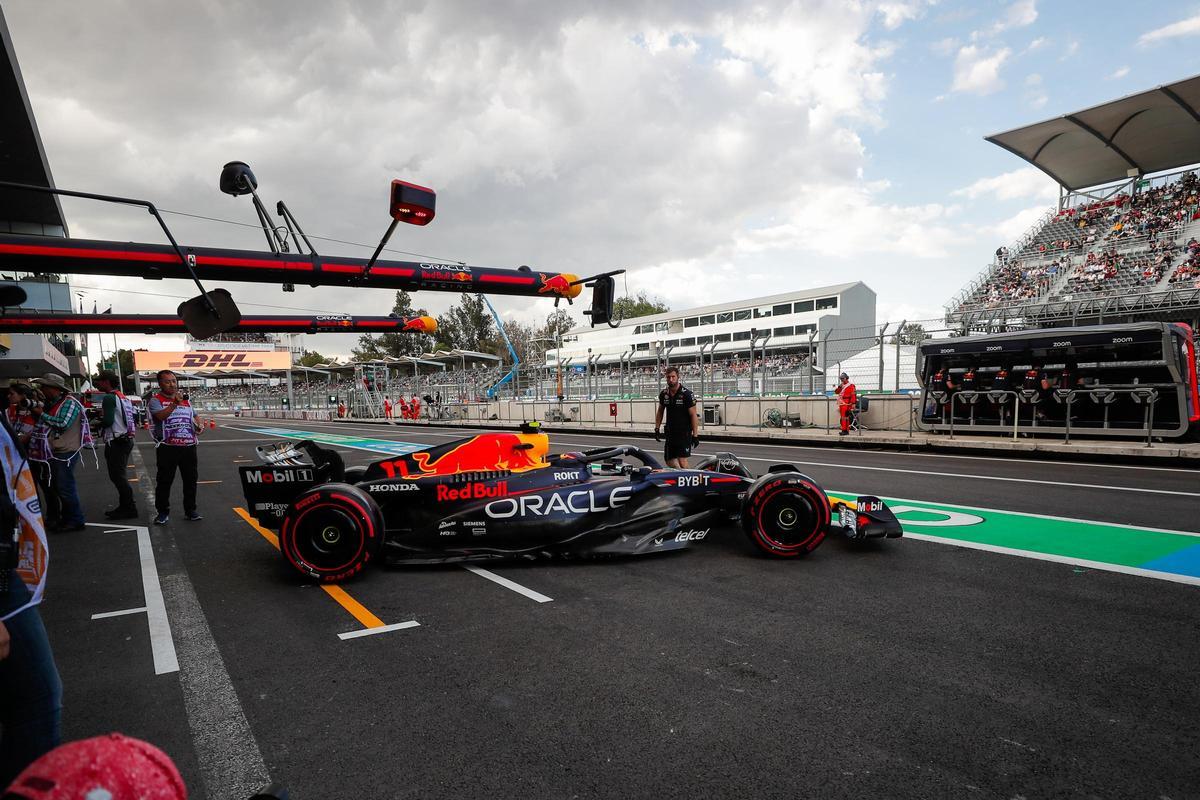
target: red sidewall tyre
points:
(786, 515)
(331, 532)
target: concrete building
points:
(827, 321)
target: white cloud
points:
(1020, 183)
(1070, 50)
(977, 69)
(896, 14)
(1185, 27)
(1119, 73)
(1020, 14)
(1035, 45)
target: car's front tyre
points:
(786, 515)
(330, 532)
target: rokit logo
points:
(472, 491)
(570, 503)
(566, 476)
(376, 488)
(691, 536)
(279, 476)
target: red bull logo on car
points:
(515, 452)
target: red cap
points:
(110, 767)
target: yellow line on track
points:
(352, 606)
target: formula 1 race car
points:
(502, 495)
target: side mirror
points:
(204, 318)
(411, 203)
(602, 301)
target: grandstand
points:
(1123, 242)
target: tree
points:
(311, 358)
(468, 325)
(521, 335)
(557, 324)
(911, 333)
(638, 305)
(395, 344)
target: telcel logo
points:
(472, 491)
(570, 503)
(691, 536)
(279, 475)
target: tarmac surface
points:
(910, 668)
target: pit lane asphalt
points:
(910, 669)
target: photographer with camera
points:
(175, 433)
(62, 421)
(117, 428)
(34, 437)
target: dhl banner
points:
(211, 360)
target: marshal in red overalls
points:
(847, 400)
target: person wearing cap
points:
(62, 416)
(117, 429)
(847, 400)
(175, 430)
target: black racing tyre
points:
(786, 515)
(330, 532)
(354, 475)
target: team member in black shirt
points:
(678, 405)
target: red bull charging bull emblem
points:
(559, 285)
(489, 451)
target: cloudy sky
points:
(715, 150)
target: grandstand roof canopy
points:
(1151, 131)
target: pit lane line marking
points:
(643, 436)
(230, 760)
(536, 597)
(369, 621)
(108, 614)
(162, 645)
(973, 477)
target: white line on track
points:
(1079, 562)
(161, 643)
(399, 626)
(536, 597)
(965, 475)
(976, 477)
(123, 612)
(643, 436)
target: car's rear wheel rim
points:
(327, 537)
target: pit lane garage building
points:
(822, 324)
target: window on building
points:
(744, 314)
(661, 326)
(691, 322)
(643, 346)
(672, 343)
(802, 306)
(689, 341)
(826, 302)
(723, 337)
(760, 313)
(707, 319)
(804, 330)
(725, 316)
(781, 309)
(783, 331)
(742, 336)
(703, 340)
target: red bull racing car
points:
(503, 495)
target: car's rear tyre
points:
(330, 532)
(786, 515)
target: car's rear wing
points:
(287, 469)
